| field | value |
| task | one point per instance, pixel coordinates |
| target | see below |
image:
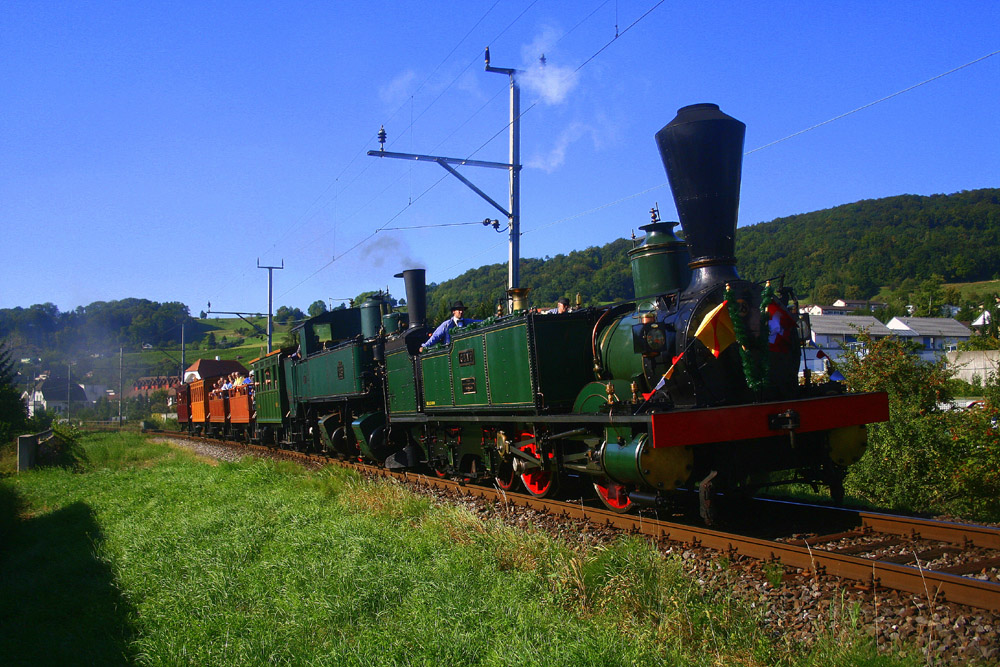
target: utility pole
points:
(513, 167)
(69, 394)
(270, 308)
(121, 387)
(183, 350)
(513, 268)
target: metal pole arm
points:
(439, 159)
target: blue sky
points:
(158, 150)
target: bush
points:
(923, 459)
(62, 449)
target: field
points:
(144, 554)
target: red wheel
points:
(539, 483)
(613, 495)
(506, 478)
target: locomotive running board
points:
(726, 423)
(764, 420)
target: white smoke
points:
(557, 155)
(399, 89)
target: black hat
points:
(458, 305)
(563, 300)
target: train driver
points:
(442, 333)
(562, 306)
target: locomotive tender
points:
(694, 382)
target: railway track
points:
(938, 560)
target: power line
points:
(488, 141)
(648, 190)
(443, 224)
(313, 213)
(871, 104)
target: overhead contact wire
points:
(871, 104)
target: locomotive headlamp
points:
(656, 338)
(650, 338)
(805, 329)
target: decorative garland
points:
(753, 349)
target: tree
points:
(317, 307)
(13, 412)
(287, 313)
(826, 294)
(929, 297)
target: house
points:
(831, 333)
(833, 330)
(147, 385)
(982, 320)
(50, 395)
(933, 333)
(844, 307)
(96, 391)
(859, 304)
(816, 309)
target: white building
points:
(816, 309)
(50, 395)
(935, 334)
(831, 333)
(859, 304)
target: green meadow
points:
(135, 552)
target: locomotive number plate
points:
(468, 385)
(340, 370)
(466, 358)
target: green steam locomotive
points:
(693, 383)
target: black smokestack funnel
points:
(416, 296)
(702, 151)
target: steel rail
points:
(934, 585)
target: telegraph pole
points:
(183, 350)
(513, 269)
(513, 168)
(121, 383)
(270, 308)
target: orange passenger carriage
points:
(240, 405)
(218, 411)
(183, 403)
(199, 405)
(207, 406)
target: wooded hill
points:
(859, 248)
(877, 243)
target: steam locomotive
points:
(694, 383)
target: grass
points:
(145, 555)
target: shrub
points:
(62, 449)
(924, 458)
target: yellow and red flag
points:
(716, 330)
